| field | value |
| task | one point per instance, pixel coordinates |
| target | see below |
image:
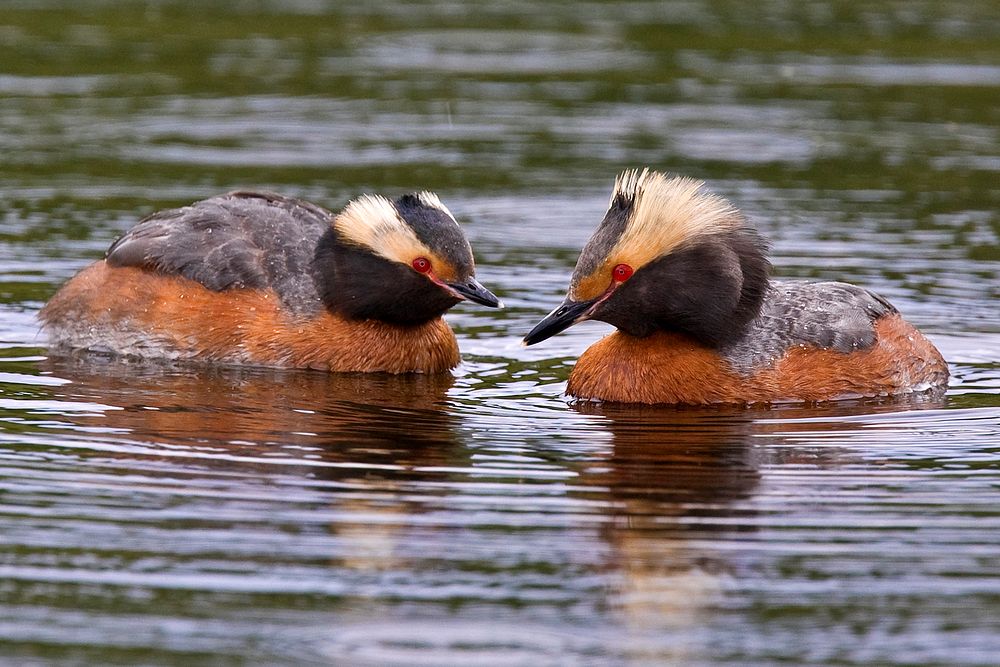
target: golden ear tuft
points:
(666, 213)
(663, 213)
(372, 223)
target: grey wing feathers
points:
(240, 239)
(828, 315)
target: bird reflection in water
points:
(682, 487)
(349, 444)
(373, 465)
(670, 475)
(336, 417)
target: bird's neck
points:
(660, 368)
(336, 343)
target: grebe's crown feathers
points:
(666, 212)
(431, 200)
(372, 223)
(649, 215)
(409, 227)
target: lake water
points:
(178, 515)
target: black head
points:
(402, 262)
(668, 256)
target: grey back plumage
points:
(824, 315)
(236, 240)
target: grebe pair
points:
(262, 279)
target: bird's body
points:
(132, 312)
(686, 283)
(792, 351)
(266, 280)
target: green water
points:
(222, 516)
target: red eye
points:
(622, 272)
(422, 265)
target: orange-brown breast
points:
(672, 368)
(129, 310)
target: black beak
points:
(560, 319)
(472, 290)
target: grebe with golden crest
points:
(686, 282)
(262, 279)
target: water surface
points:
(184, 515)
